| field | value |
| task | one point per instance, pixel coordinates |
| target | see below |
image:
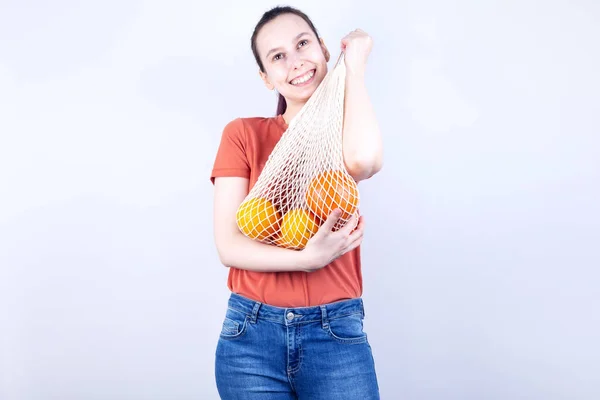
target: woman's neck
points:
(291, 111)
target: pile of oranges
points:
(260, 219)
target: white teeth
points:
(303, 78)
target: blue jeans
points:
(274, 353)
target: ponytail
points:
(281, 105)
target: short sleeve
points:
(231, 158)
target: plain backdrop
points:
(481, 254)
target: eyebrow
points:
(298, 36)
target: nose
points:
(296, 61)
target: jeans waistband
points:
(256, 310)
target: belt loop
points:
(362, 307)
(324, 320)
(255, 312)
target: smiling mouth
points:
(304, 79)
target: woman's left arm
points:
(362, 144)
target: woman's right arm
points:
(237, 250)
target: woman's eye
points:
(277, 56)
(304, 42)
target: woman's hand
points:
(356, 46)
(327, 245)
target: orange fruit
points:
(330, 190)
(297, 227)
(258, 218)
(277, 240)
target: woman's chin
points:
(304, 95)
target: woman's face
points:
(295, 61)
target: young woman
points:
(293, 327)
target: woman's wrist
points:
(310, 261)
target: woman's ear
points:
(325, 51)
(266, 80)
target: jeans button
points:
(290, 316)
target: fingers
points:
(361, 223)
(354, 223)
(331, 220)
(354, 240)
(355, 243)
(359, 231)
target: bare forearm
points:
(242, 252)
(362, 144)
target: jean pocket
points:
(347, 329)
(234, 324)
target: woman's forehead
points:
(282, 32)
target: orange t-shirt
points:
(244, 149)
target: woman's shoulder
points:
(261, 123)
(255, 124)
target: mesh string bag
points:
(304, 178)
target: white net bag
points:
(304, 178)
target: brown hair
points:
(268, 17)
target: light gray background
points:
(482, 250)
